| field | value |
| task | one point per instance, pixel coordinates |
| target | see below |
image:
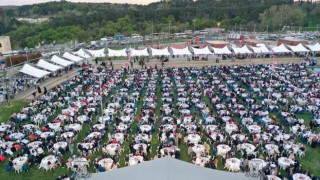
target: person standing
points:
(39, 90)
(45, 90)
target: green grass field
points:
(310, 162)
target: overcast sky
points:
(24, 2)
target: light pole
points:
(194, 26)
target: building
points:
(291, 41)
(217, 44)
(5, 44)
(254, 42)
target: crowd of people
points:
(247, 117)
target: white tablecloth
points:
(106, 162)
(18, 162)
(119, 137)
(231, 128)
(299, 176)
(223, 149)
(254, 129)
(122, 127)
(111, 149)
(63, 145)
(145, 128)
(16, 135)
(199, 148)
(284, 162)
(135, 159)
(144, 147)
(194, 138)
(233, 164)
(76, 127)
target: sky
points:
(24, 2)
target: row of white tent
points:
(208, 50)
(56, 63)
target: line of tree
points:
(88, 21)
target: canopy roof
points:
(184, 51)
(160, 52)
(60, 61)
(299, 48)
(243, 50)
(97, 53)
(72, 57)
(142, 52)
(32, 71)
(167, 169)
(281, 49)
(48, 66)
(314, 47)
(117, 53)
(202, 51)
(224, 50)
(82, 53)
(261, 48)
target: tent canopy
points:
(160, 52)
(298, 48)
(72, 57)
(314, 47)
(166, 169)
(82, 53)
(224, 50)
(261, 48)
(117, 53)
(202, 51)
(184, 51)
(243, 50)
(48, 66)
(97, 53)
(62, 62)
(281, 49)
(142, 52)
(32, 71)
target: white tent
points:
(160, 52)
(142, 52)
(224, 50)
(202, 51)
(261, 48)
(32, 71)
(184, 51)
(82, 53)
(281, 49)
(72, 57)
(314, 47)
(117, 53)
(62, 62)
(97, 53)
(48, 66)
(298, 48)
(243, 50)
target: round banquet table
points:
(80, 162)
(15, 136)
(63, 145)
(223, 149)
(284, 162)
(233, 164)
(104, 119)
(187, 120)
(272, 126)
(231, 127)
(125, 118)
(190, 128)
(226, 118)
(299, 176)
(67, 135)
(119, 137)
(76, 127)
(44, 162)
(199, 148)
(249, 148)
(135, 160)
(254, 129)
(143, 137)
(246, 121)
(106, 162)
(214, 136)
(34, 144)
(99, 126)
(82, 118)
(30, 126)
(282, 137)
(18, 162)
(239, 136)
(167, 127)
(4, 127)
(273, 177)
(258, 163)
(54, 126)
(122, 127)
(46, 134)
(111, 149)
(266, 120)
(211, 128)
(194, 138)
(201, 161)
(93, 134)
(137, 146)
(185, 111)
(145, 128)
